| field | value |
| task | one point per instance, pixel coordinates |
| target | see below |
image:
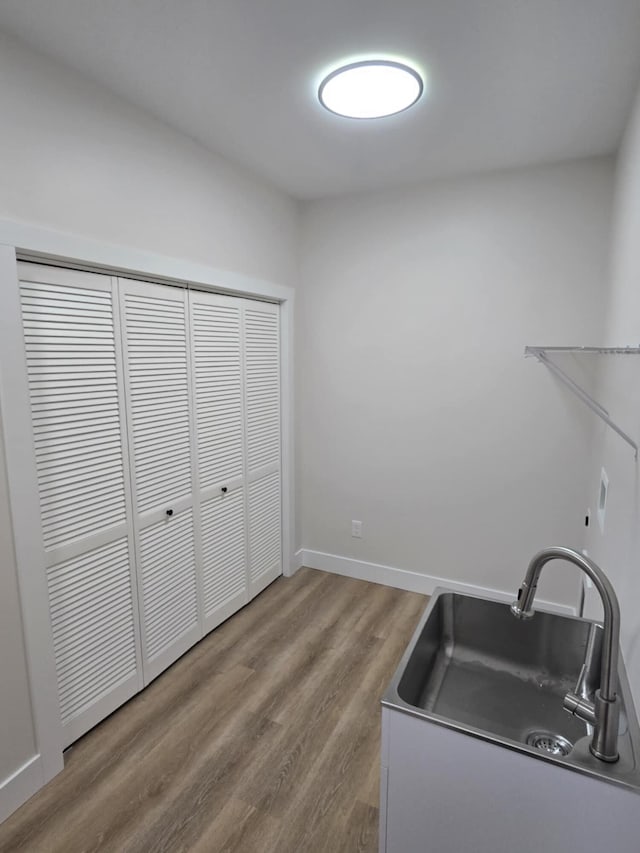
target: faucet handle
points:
(580, 688)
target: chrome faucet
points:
(604, 713)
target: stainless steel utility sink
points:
(474, 667)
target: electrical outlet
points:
(356, 529)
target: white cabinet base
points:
(446, 792)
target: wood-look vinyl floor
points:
(263, 738)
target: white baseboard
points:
(412, 581)
(17, 788)
(298, 561)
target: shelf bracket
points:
(541, 353)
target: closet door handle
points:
(169, 512)
(224, 490)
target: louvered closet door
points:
(155, 332)
(262, 437)
(219, 416)
(75, 387)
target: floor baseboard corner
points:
(17, 788)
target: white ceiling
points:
(512, 82)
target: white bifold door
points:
(155, 327)
(216, 329)
(262, 430)
(156, 422)
(236, 389)
(75, 372)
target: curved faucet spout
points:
(604, 712)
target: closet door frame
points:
(20, 241)
(27, 532)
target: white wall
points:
(418, 414)
(77, 159)
(618, 549)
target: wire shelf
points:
(542, 354)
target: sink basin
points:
(475, 664)
(472, 666)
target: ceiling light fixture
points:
(372, 88)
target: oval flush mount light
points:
(373, 88)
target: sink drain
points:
(550, 743)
